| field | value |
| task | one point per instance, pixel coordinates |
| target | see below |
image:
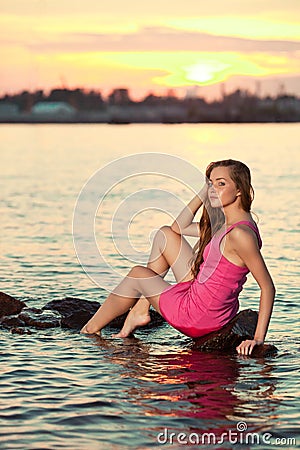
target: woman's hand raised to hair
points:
(184, 223)
(246, 347)
(203, 192)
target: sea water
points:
(60, 389)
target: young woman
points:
(205, 296)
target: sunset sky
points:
(151, 45)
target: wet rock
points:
(10, 305)
(69, 305)
(156, 320)
(76, 320)
(241, 327)
(38, 318)
(17, 330)
(69, 312)
(76, 312)
(12, 321)
(264, 350)
(73, 313)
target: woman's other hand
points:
(246, 347)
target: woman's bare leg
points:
(139, 281)
(169, 249)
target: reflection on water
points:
(80, 392)
(179, 387)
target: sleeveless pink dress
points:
(207, 303)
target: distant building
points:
(53, 109)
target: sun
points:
(205, 72)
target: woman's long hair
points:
(212, 219)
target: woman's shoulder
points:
(244, 234)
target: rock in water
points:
(17, 330)
(9, 305)
(264, 350)
(69, 312)
(156, 321)
(12, 321)
(75, 312)
(37, 318)
(240, 328)
(71, 304)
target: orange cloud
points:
(157, 39)
(101, 44)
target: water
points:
(63, 390)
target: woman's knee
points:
(164, 235)
(141, 272)
(166, 229)
(137, 271)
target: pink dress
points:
(208, 302)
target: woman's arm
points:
(184, 224)
(245, 244)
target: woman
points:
(205, 296)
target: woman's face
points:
(222, 190)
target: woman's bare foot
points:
(133, 320)
(85, 331)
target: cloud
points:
(161, 39)
(155, 8)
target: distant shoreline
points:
(64, 106)
(40, 121)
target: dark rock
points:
(69, 305)
(264, 350)
(10, 305)
(76, 319)
(69, 313)
(240, 328)
(12, 321)
(38, 318)
(20, 331)
(118, 322)
(76, 312)
(156, 321)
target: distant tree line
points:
(78, 98)
(238, 106)
(83, 100)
